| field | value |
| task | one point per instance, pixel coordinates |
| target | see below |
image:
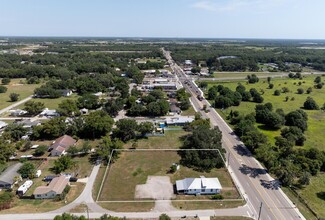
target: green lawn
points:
(52, 103)
(242, 74)
(133, 168)
(316, 118)
(17, 86)
(314, 194)
(171, 140)
(188, 112)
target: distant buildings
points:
(49, 113)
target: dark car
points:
(48, 178)
(73, 179)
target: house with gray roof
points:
(9, 177)
(61, 145)
(198, 186)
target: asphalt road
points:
(263, 194)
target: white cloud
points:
(235, 5)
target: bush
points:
(3, 89)
(14, 97)
(300, 91)
(310, 104)
(271, 85)
(5, 81)
(63, 194)
(277, 92)
(319, 86)
(309, 90)
(217, 197)
(40, 151)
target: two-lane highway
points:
(264, 197)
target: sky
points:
(271, 19)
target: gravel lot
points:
(157, 187)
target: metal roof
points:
(198, 183)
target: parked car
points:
(73, 179)
(48, 178)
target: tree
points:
(203, 138)
(113, 106)
(15, 131)
(88, 101)
(310, 104)
(27, 170)
(277, 92)
(145, 128)
(5, 81)
(85, 148)
(164, 217)
(68, 108)
(269, 78)
(300, 91)
(126, 129)
(253, 139)
(68, 216)
(34, 108)
(223, 102)
(41, 150)
(258, 98)
(62, 164)
(297, 118)
(97, 124)
(3, 89)
(271, 86)
(203, 85)
(285, 90)
(252, 78)
(51, 129)
(6, 198)
(317, 80)
(304, 179)
(309, 90)
(319, 85)
(106, 146)
(294, 134)
(14, 97)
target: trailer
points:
(23, 188)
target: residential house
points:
(55, 188)
(174, 108)
(178, 121)
(61, 145)
(27, 123)
(66, 92)
(198, 186)
(49, 113)
(17, 112)
(10, 176)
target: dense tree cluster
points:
(203, 137)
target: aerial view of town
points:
(108, 114)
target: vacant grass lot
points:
(171, 140)
(128, 206)
(195, 205)
(316, 120)
(17, 86)
(52, 103)
(242, 74)
(133, 168)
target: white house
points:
(198, 186)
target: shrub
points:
(3, 89)
(277, 92)
(300, 91)
(5, 81)
(319, 86)
(217, 197)
(271, 85)
(310, 104)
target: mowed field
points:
(315, 134)
(316, 120)
(17, 86)
(133, 168)
(244, 74)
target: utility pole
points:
(259, 213)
